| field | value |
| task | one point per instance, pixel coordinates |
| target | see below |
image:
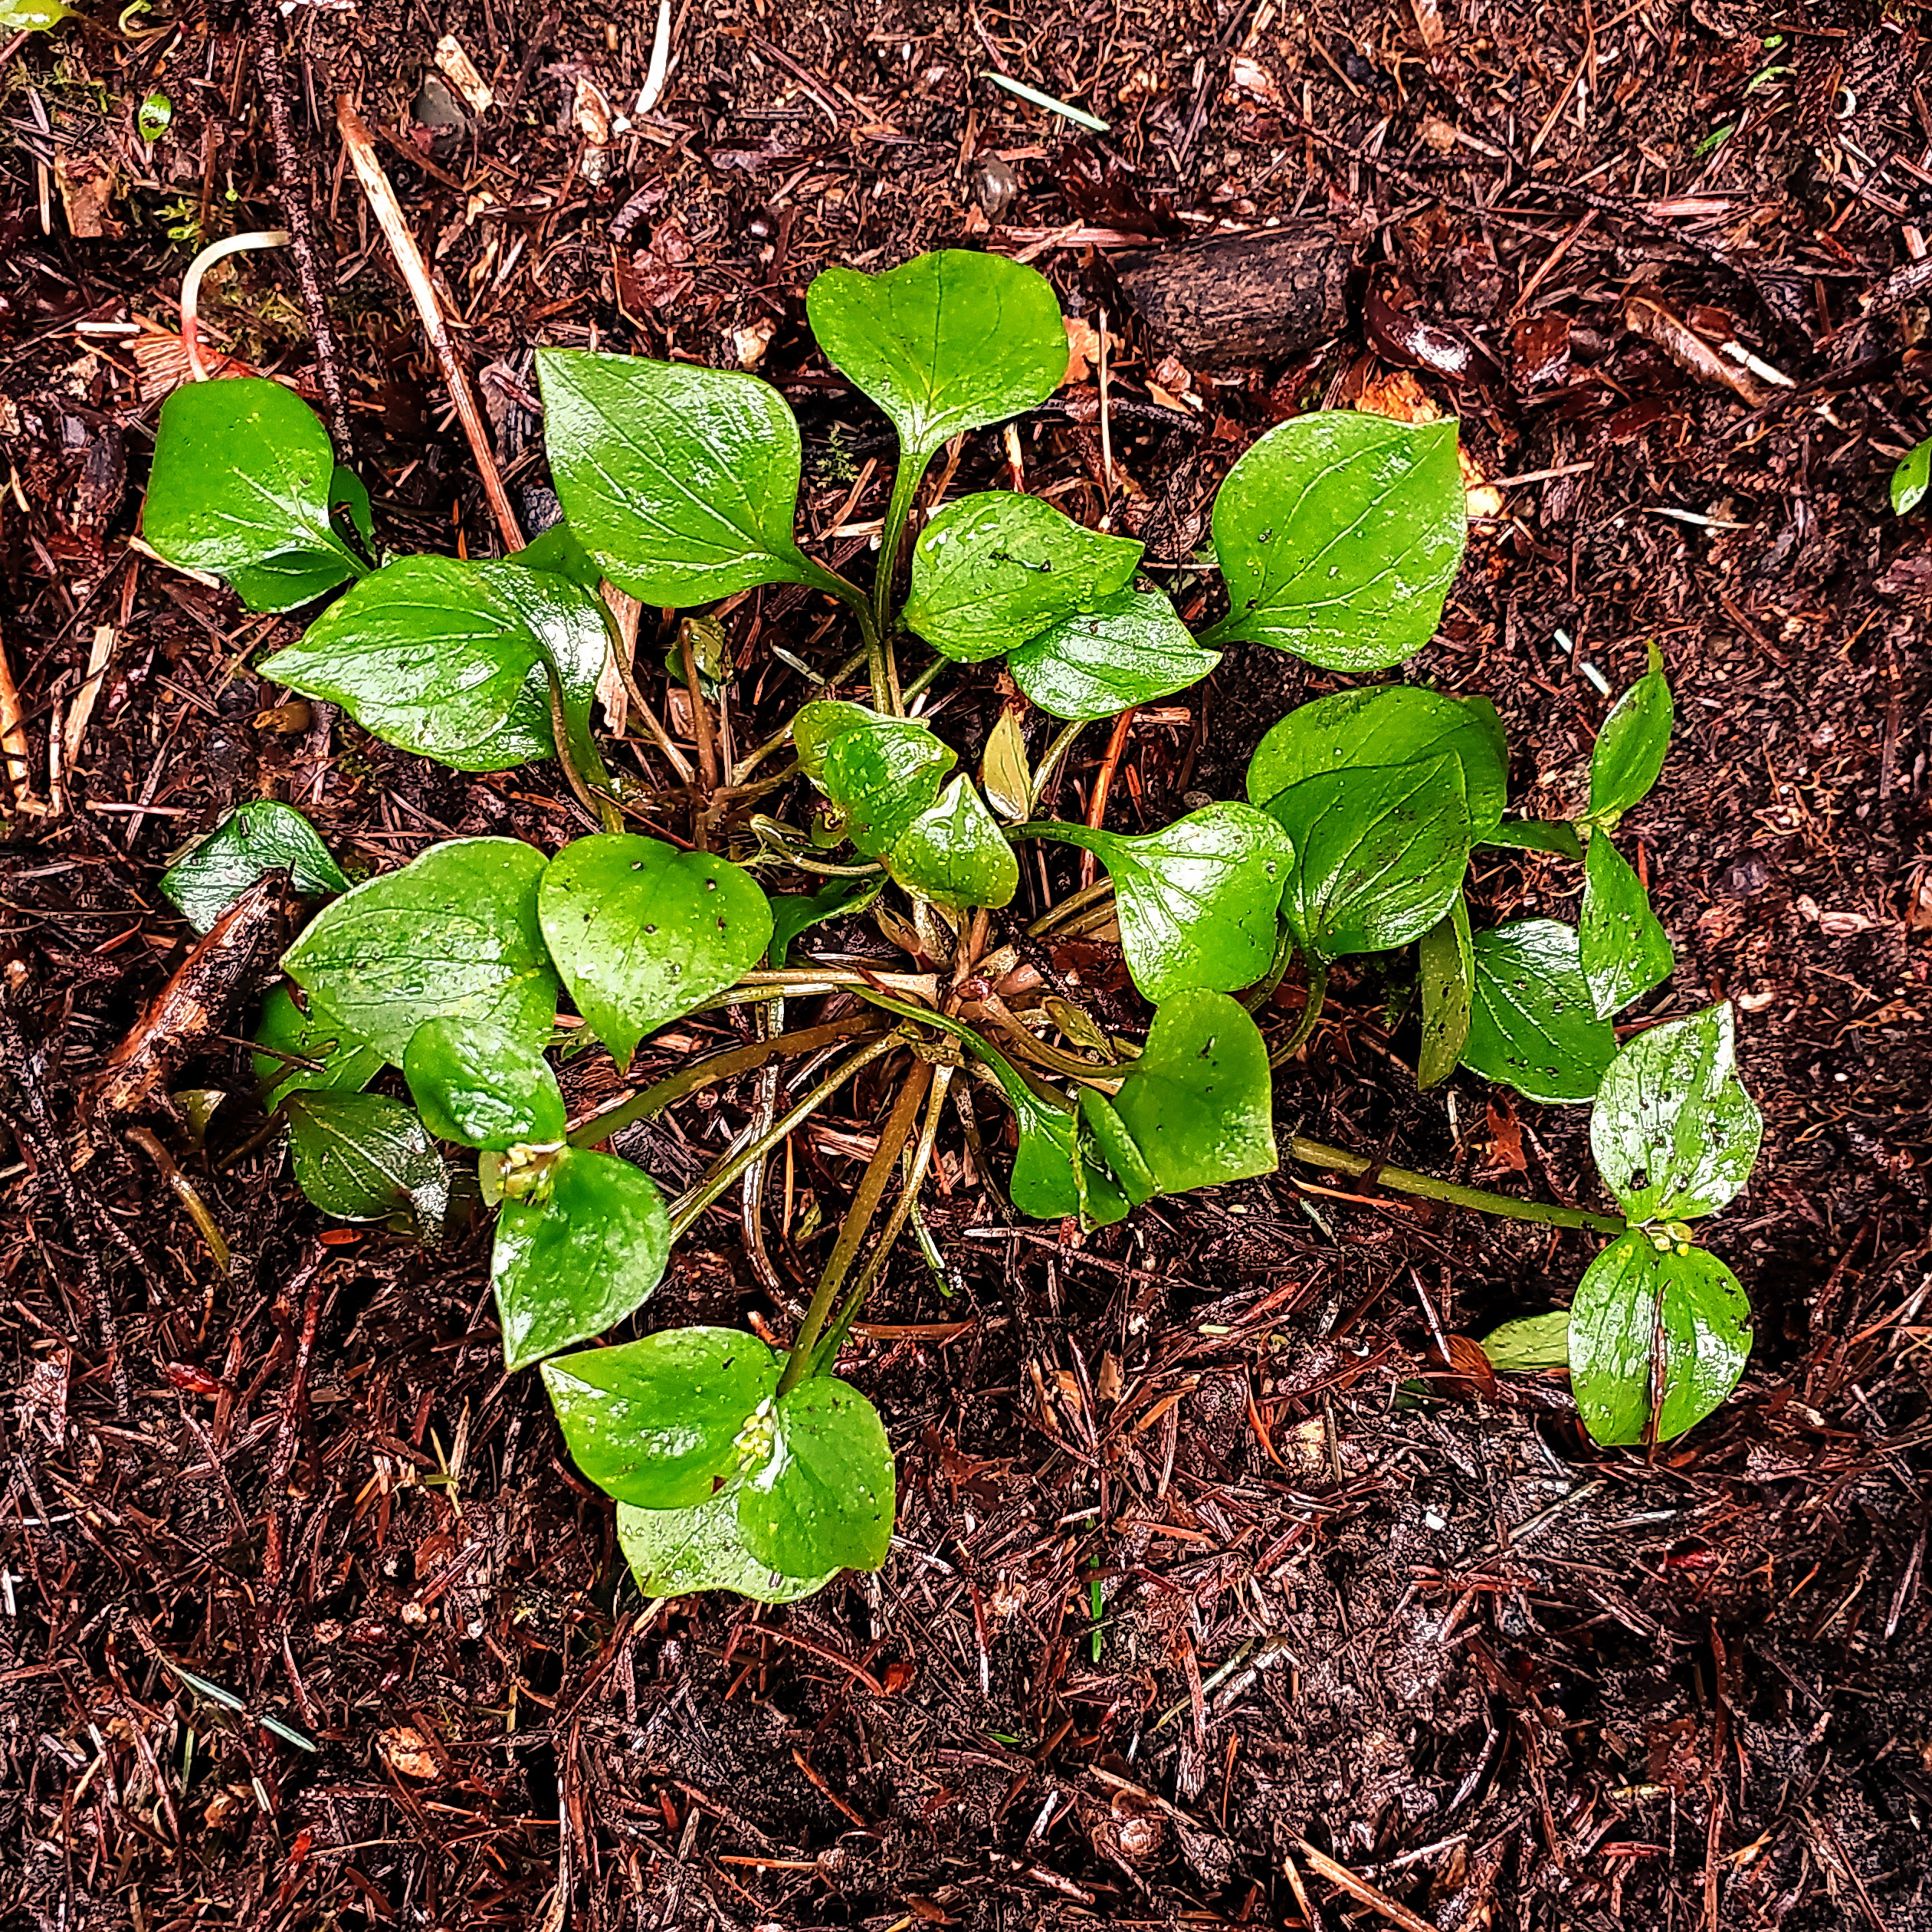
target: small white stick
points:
(190, 286)
(652, 91)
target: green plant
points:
(735, 1465)
(1911, 479)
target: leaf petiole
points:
(858, 1218)
(1314, 1153)
(687, 1207)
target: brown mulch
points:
(1204, 1585)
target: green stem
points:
(582, 761)
(1315, 1154)
(827, 1353)
(871, 627)
(1311, 1013)
(905, 489)
(686, 1210)
(716, 1067)
(1258, 994)
(858, 1218)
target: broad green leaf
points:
(558, 550)
(1005, 771)
(1390, 724)
(1673, 1132)
(796, 913)
(1911, 480)
(880, 773)
(673, 1553)
(991, 570)
(481, 1086)
(680, 481)
(642, 931)
(1198, 1101)
(1632, 746)
(451, 660)
(348, 1065)
(454, 934)
(826, 1498)
(1131, 650)
(1640, 1289)
(364, 1157)
(251, 841)
(1196, 901)
(955, 854)
(951, 341)
(1531, 1026)
(1625, 951)
(1530, 1344)
(667, 1422)
(1340, 534)
(240, 485)
(1379, 854)
(1556, 835)
(33, 16)
(577, 1258)
(1446, 960)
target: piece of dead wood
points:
(360, 146)
(1243, 298)
(15, 753)
(193, 1005)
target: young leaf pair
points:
(1657, 1333)
(1384, 793)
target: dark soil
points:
(1505, 1679)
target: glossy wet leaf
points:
(1131, 650)
(558, 550)
(1555, 835)
(481, 1086)
(1197, 900)
(1530, 1344)
(673, 1553)
(794, 914)
(1054, 1174)
(990, 571)
(826, 1498)
(571, 1261)
(451, 660)
(365, 1157)
(1633, 1289)
(1624, 949)
(454, 934)
(642, 931)
(1531, 1026)
(880, 773)
(346, 1064)
(1340, 534)
(1673, 1132)
(1446, 968)
(1106, 1143)
(955, 854)
(1198, 1100)
(1005, 771)
(241, 486)
(1632, 746)
(1911, 480)
(951, 341)
(1379, 854)
(1391, 724)
(250, 842)
(680, 481)
(33, 16)
(668, 1421)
